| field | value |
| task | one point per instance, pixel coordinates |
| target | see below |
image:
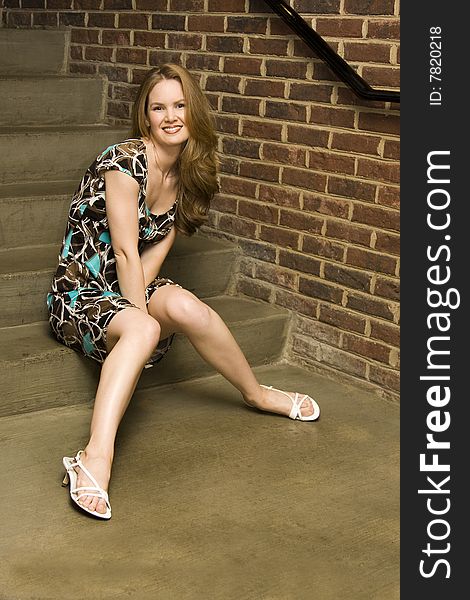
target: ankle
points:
(93, 451)
(255, 396)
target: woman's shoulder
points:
(130, 148)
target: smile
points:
(172, 128)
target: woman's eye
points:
(181, 105)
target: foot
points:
(100, 468)
(272, 400)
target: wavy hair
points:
(197, 164)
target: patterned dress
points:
(85, 293)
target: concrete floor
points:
(211, 500)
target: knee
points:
(188, 312)
(145, 330)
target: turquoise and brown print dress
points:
(85, 293)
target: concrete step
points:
(52, 153)
(33, 51)
(50, 100)
(37, 372)
(199, 264)
(230, 502)
(34, 214)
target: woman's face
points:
(166, 113)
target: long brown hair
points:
(197, 163)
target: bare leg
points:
(131, 338)
(178, 310)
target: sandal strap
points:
(95, 488)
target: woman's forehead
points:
(166, 90)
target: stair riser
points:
(53, 155)
(62, 378)
(24, 51)
(51, 102)
(33, 221)
(23, 295)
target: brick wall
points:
(310, 173)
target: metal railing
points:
(337, 64)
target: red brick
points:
(74, 19)
(295, 302)
(338, 359)
(301, 49)
(357, 143)
(76, 52)
(322, 72)
(83, 68)
(320, 7)
(386, 332)
(311, 92)
(382, 76)
(371, 7)
(257, 170)
(366, 348)
(379, 170)
(321, 290)
(167, 22)
(301, 221)
(84, 36)
(281, 237)
(149, 38)
(352, 278)
(131, 55)
(159, 57)
(372, 261)
(241, 147)
(237, 6)
(229, 165)
(328, 161)
(319, 331)
(392, 149)
(115, 37)
(202, 23)
(377, 216)
(244, 25)
(370, 306)
(307, 135)
(237, 226)
(35, 4)
(224, 203)
(261, 129)
(299, 262)
(242, 106)
(367, 52)
(342, 318)
(102, 20)
(284, 153)
(99, 53)
(264, 88)
(187, 5)
(126, 93)
(379, 122)
(326, 205)
(388, 242)
(118, 109)
(268, 46)
(387, 288)
(258, 211)
(389, 196)
(348, 232)
(152, 5)
(58, 4)
(203, 62)
(304, 178)
(118, 4)
(338, 27)
(275, 275)
(258, 250)
(18, 19)
(382, 29)
(387, 378)
(44, 19)
(280, 196)
(331, 115)
(224, 44)
(322, 247)
(238, 186)
(223, 83)
(254, 289)
(243, 65)
(351, 188)
(347, 97)
(286, 68)
(184, 41)
(286, 111)
(84, 4)
(113, 73)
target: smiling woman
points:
(107, 300)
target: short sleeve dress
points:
(85, 294)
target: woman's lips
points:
(173, 129)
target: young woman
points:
(107, 300)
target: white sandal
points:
(297, 400)
(78, 492)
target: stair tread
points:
(37, 188)
(67, 129)
(35, 339)
(44, 257)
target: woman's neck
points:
(163, 158)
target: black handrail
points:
(338, 65)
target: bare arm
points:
(122, 213)
(153, 256)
